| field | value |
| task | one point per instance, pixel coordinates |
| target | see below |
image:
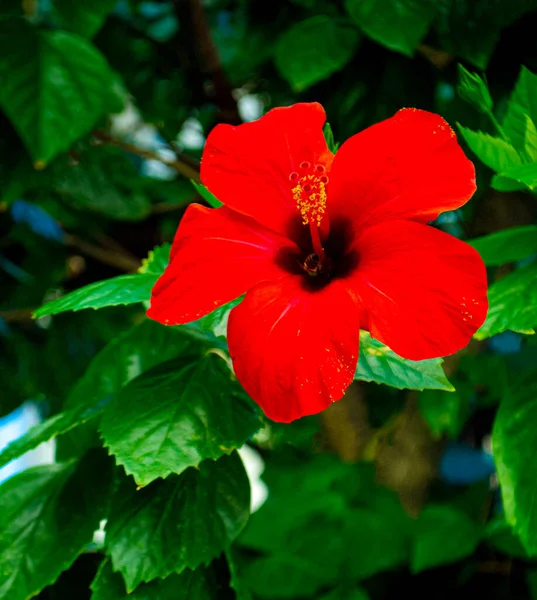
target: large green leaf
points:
(378, 363)
(123, 359)
(397, 24)
(181, 522)
(497, 154)
(512, 303)
(128, 356)
(443, 534)
(121, 290)
(525, 174)
(522, 104)
(84, 18)
(506, 246)
(56, 425)
(188, 585)
(312, 50)
(54, 86)
(48, 516)
(177, 415)
(514, 441)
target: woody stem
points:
(316, 241)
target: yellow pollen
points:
(310, 197)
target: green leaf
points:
(128, 356)
(103, 181)
(512, 304)
(530, 140)
(471, 28)
(442, 535)
(310, 539)
(399, 25)
(123, 359)
(378, 363)
(188, 585)
(329, 137)
(121, 290)
(216, 321)
(312, 50)
(56, 425)
(84, 18)
(157, 260)
(494, 152)
(509, 245)
(54, 86)
(309, 560)
(446, 412)
(387, 542)
(525, 174)
(235, 581)
(344, 592)
(323, 550)
(474, 90)
(210, 198)
(522, 104)
(48, 516)
(500, 536)
(177, 523)
(505, 184)
(177, 415)
(513, 441)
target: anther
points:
(305, 165)
(293, 176)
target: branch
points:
(121, 260)
(208, 58)
(181, 166)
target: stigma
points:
(309, 192)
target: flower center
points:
(309, 193)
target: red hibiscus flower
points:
(324, 245)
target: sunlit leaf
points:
(378, 363)
(176, 415)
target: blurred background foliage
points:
(395, 490)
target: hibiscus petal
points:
(217, 255)
(248, 167)
(294, 349)
(423, 292)
(407, 167)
